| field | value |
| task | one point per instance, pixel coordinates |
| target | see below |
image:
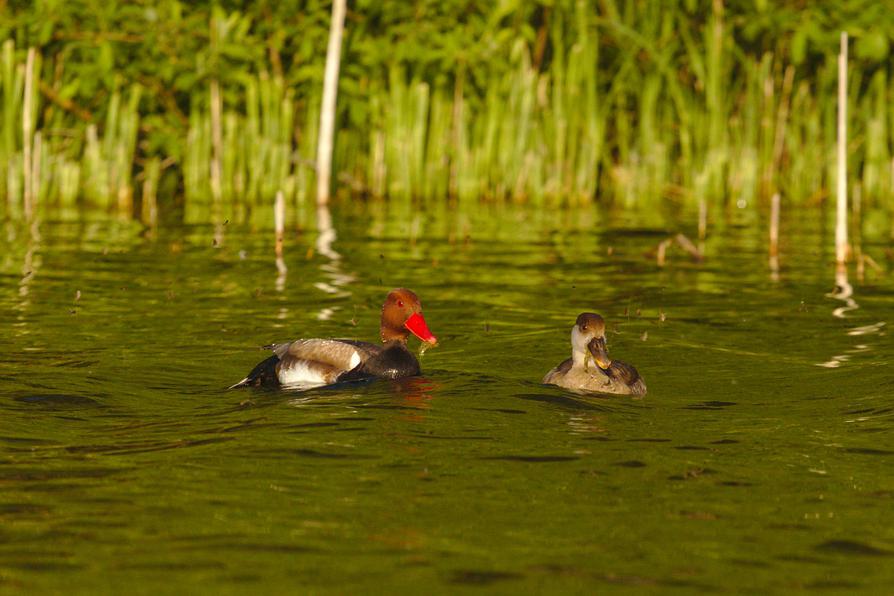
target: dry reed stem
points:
(774, 225)
(150, 200)
(35, 169)
(216, 140)
(872, 263)
(27, 132)
(782, 119)
(687, 245)
(279, 219)
(327, 108)
(660, 256)
(66, 104)
(841, 220)
(702, 218)
(684, 242)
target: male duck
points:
(316, 362)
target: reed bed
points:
(53, 165)
(634, 104)
(257, 145)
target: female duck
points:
(605, 375)
(314, 362)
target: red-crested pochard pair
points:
(316, 362)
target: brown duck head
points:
(588, 337)
(402, 315)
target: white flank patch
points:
(300, 373)
(355, 360)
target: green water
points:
(759, 461)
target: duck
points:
(307, 363)
(604, 375)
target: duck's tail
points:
(246, 382)
(263, 375)
(638, 388)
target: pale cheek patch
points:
(578, 341)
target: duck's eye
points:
(400, 303)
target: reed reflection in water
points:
(844, 292)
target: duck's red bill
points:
(416, 324)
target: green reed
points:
(635, 103)
(257, 157)
(65, 164)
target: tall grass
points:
(258, 147)
(47, 167)
(635, 103)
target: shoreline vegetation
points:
(139, 106)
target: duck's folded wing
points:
(315, 361)
(555, 375)
(331, 352)
(366, 349)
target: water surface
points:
(760, 458)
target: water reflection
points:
(774, 238)
(219, 225)
(279, 222)
(30, 264)
(281, 271)
(867, 329)
(587, 423)
(412, 396)
(416, 391)
(338, 280)
(844, 292)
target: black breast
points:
(262, 375)
(394, 361)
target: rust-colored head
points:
(402, 315)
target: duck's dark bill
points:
(599, 352)
(416, 324)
